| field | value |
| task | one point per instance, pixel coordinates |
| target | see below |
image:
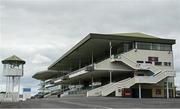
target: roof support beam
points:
(110, 76)
(92, 57)
(110, 49)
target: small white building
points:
(13, 70)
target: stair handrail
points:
(154, 67)
(122, 55)
(122, 81)
(101, 87)
(157, 77)
(162, 73)
(124, 52)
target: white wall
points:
(107, 65)
(142, 55)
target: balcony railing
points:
(65, 77)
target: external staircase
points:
(157, 76)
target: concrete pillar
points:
(13, 84)
(79, 85)
(6, 84)
(139, 91)
(92, 58)
(110, 76)
(92, 81)
(167, 88)
(18, 87)
(110, 49)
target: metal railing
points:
(98, 91)
(126, 83)
(123, 84)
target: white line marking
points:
(86, 105)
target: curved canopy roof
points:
(44, 75)
(13, 59)
(98, 46)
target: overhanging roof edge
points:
(161, 40)
(72, 49)
(99, 36)
(45, 72)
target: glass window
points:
(165, 47)
(149, 62)
(155, 46)
(158, 63)
(151, 59)
(145, 46)
(140, 61)
(167, 63)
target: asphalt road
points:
(95, 102)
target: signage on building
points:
(26, 89)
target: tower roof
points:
(13, 59)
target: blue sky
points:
(40, 31)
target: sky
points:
(40, 31)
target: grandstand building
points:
(124, 65)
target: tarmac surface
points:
(95, 102)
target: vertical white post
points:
(6, 84)
(139, 91)
(135, 45)
(110, 48)
(18, 85)
(92, 79)
(167, 88)
(92, 57)
(13, 89)
(110, 76)
(9, 88)
(79, 85)
(13, 84)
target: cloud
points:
(39, 59)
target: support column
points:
(139, 91)
(110, 49)
(92, 81)
(79, 63)
(18, 85)
(13, 84)
(167, 88)
(110, 77)
(92, 58)
(6, 84)
(79, 85)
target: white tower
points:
(12, 71)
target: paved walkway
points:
(95, 102)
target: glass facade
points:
(142, 45)
(165, 47)
(153, 46)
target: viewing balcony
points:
(75, 73)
